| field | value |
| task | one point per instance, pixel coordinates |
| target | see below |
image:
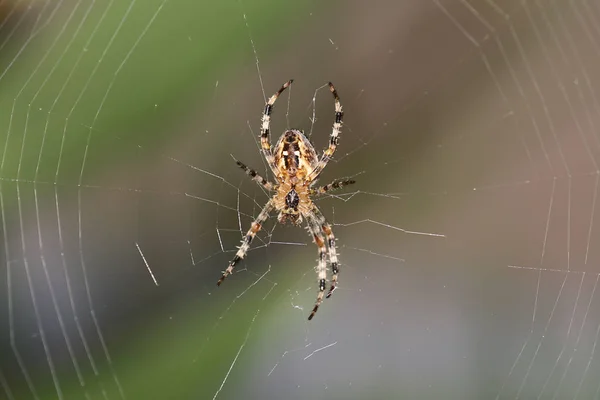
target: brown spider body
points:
(296, 167)
(295, 159)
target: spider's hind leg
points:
(265, 128)
(333, 138)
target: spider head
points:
(292, 199)
(293, 217)
(290, 211)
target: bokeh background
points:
(469, 244)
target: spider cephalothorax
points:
(296, 167)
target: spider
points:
(296, 167)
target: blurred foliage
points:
(82, 73)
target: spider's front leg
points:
(243, 249)
(330, 237)
(319, 239)
(337, 184)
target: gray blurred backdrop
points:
(469, 244)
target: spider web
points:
(468, 245)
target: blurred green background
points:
(472, 120)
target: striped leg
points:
(243, 249)
(333, 139)
(338, 184)
(265, 142)
(255, 176)
(317, 233)
(335, 266)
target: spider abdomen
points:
(295, 157)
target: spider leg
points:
(255, 176)
(326, 228)
(337, 184)
(243, 249)
(265, 142)
(333, 138)
(317, 233)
